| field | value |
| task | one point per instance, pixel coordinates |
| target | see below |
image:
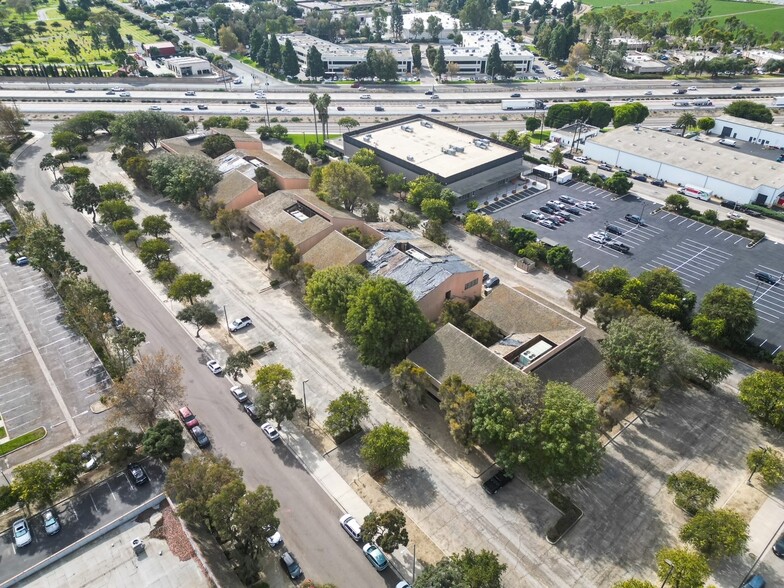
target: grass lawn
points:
(22, 440)
(765, 17)
(539, 137)
(2, 432)
(205, 40)
(302, 139)
(51, 45)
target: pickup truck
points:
(240, 323)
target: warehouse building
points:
(464, 161)
(729, 173)
(750, 131)
(184, 67)
(471, 56)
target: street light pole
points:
(669, 573)
(305, 401)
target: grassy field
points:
(303, 139)
(50, 46)
(765, 17)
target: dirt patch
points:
(378, 500)
(746, 501)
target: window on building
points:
(471, 284)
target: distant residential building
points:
(184, 67)
(240, 7)
(641, 63)
(162, 49)
(574, 134)
(321, 5)
(632, 43)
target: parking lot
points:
(79, 516)
(50, 374)
(703, 256)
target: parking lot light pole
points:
(305, 401)
(669, 573)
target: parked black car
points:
(767, 278)
(617, 246)
(137, 473)
(614, 230)
(635, 219)
(659, 183)
(498, 481)
(289, 563)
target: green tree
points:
(706, 123)
(114, 191)
(385, 322)
(199, 314)
(457, 402)
(494, 65)
(439, 65)
(44, 246)
(183, 178)
(685, 122)
(677, 203)
(750, 110)
(717, 533)
(254, 517)
(480, 225)
(762, 393)
(767, 462)
(217, 144)
(618, 183)
(68, 464)
(222, 506)
(727, 316)
(36, 483)
(345, 412)
(153, 252)
(66, 140)
(385, 529)
(684, 568)
(468, 569)
(8, 191)
(156, 225)
(396, 183)
(345, 184)
(601, 114)
(633, 583)
(289, 59)
(693, 493)
(237, 363)
(142, 127)
(631, 113)
(113, 210)
(188, 287)
(328, 291)
(532, 123)
(643, 346)
(708, 368)
(436, 209)
(583, 296)
(164, 440)
(125, 343)
(276, 398)
(425, 187)
(49, 161)
(86, 198)
(409, 381)
(314, 63)
(560, 257)
(385, 448)
(166, 270)
(193, 482)
(556, 157)
(116, 445)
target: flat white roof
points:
(704, 158)
(481, 42)
(422, 146)
(331, 51)
(449, 22)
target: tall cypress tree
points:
(273, 54)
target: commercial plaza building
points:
(417, 145)
(727, 172)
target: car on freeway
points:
(22, 534)
(515, 95)
(239, 394)
(200, 436)
(659, 183)
(435, 110)
(137, 473)
(279, 108)
(547, 223)
(251, 410)
(201, 106)
(605, 167)
(290, 565)
(214, 367)
(755, 581)
(254, 105)
(118, 89)
(378, 108)
(767, 278)
(190, 93)
(365, 97)
(270, 431)
(155, 107)
(618, 246)
(374, 555)
(692, 88)
(755, 89)
(187, 417)
(240, 323)
(778, 546)
(110, 93)
(186, 109)
(495, 483)
(675, 84)
(640, 178)
(51, 524)
(648, 93)
(351, 526)
(341, 109)
(70, 91)
(635, 219)
(737, 87)
(125, 94)
(580, 90)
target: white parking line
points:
(18, 416)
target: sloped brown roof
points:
(334, 249)
(580, 365)
(230, 186)
(516, 313)
(271, 213)
(451, 352)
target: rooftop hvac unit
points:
(410, 157)
(457, 148)
(425, 123)
(407, 129)
(447, 150)
(366, 138)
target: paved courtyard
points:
(703, 256)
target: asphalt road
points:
(309, 518)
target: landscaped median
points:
(22, 440)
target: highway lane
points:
(309, 518)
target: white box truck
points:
(696, 192)
(563, 177)
(522, 104)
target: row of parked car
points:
(555, 213)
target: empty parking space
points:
(702, 255)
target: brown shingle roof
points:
(514, 312)
(451, 352)
(580, 365)
(231, 185)
(334, 249)
(271, 213)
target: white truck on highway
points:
(522, 104)
(778, 101)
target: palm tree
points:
(685, 121)
(323, 109)
(313, 99)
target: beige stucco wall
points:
(431, 304)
